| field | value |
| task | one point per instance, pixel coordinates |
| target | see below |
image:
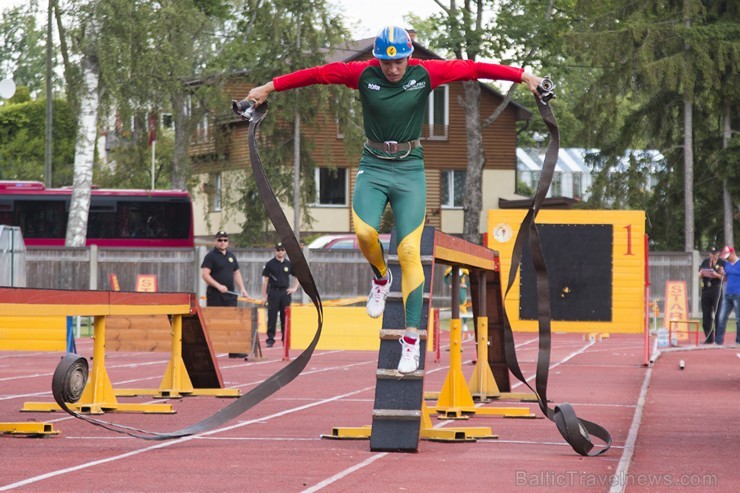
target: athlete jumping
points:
(393, 91)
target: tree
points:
(664, 68)
(469, 33)
(22, 47)
(276, 45)
(79, 206)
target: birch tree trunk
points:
(84, 153)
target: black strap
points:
(577, 432)
(71, 373)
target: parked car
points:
(344, 242)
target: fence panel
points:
(338, 273)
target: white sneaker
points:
(377, 296)
(409, 357)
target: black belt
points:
(393, 147)
(71, 373)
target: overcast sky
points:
(366, 17)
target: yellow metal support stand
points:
(98, 396)
(28, 428)
(427, 431)
(482, 383)
(455, 400)
(176, 382)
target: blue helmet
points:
(392, 43)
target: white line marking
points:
(629, 446)
(169, 443)
(346, 472)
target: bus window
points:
(41, 219)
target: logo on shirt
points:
(414, 85)
(285, 269)
(231, 259)
(374, 87)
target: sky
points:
(367, 17)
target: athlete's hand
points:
(532, 82)
(260, 94)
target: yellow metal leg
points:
(482, 384)
(28, 428)
(176, 382)
(455, 400)
(98, 396)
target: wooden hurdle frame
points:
(455, 401)
(99, 396)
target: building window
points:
(331, 186)
(577, 184)
(214, 192)
(200, 135)
(437, 117)
(556, 188)
(453, 188)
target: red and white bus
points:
(118, 218)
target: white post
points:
(154, 147)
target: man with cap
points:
(220, 271)
(731, 271)
(276, 291)
(394, 89)
(711, 282)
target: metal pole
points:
(49, 113)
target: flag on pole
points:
(152, 127)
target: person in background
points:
(276, 291)
(731, 271)
(220, 271)
(711, 283)
(393, 90)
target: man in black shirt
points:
(276, 291)
(220, 271)
(711, 281)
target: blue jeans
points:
(731, 302)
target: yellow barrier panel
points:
(47, 333)
(625, 260)
(348, 328)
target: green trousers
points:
(402, 184)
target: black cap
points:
(279, 246)
(222, 234)
(713, 249)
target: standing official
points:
(276, 291)
(711, 282)
(220, 271)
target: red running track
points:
(676, 429)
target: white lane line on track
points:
(169, 443)
(629, 445)
(555, 365)
(346, 472)
(373, 458)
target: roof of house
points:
(580, 160)
(357, 49)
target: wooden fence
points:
(338, 273)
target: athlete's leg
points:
(368, 203)
(408, 201)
